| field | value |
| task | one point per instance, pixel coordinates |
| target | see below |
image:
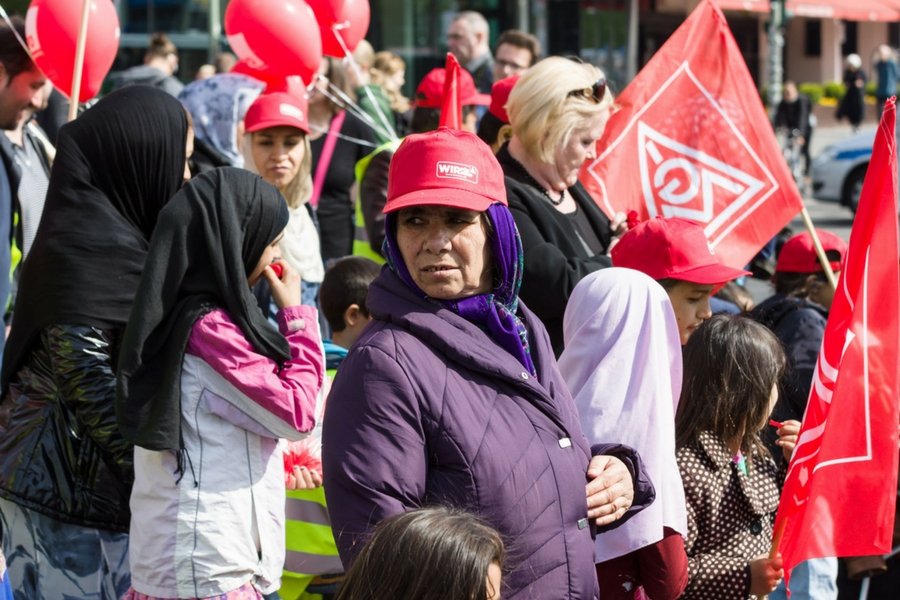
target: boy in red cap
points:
(797, 313)
(676, 253)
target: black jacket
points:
(800, 325)
(555, 259)
(61, 453)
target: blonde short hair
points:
(550, 100)
(299, 189)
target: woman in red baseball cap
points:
(452, 393)
(276, 145)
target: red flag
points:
(451, 109)
(692, 139)
(838, 499)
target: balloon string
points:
(16, 33)
(338, 96)
(344, 137)
(388, 128)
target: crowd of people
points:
(275, 345)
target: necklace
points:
(542, 189)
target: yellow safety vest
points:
(361, 245)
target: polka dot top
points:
(730, 517)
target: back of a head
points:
(160, 46)
(131, 147)
(797, 260)
(13, 56)
(346, 283)
(436, 553)
(364, 55)
(731, 364)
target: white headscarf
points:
(622, 363)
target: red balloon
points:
(51, 31)
(279, 36)
(346, 18)
(293, 84)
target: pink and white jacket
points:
(221, 525)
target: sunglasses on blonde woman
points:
(595, 92)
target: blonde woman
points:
(557, 111)
(276, 146)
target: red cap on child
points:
(277, 109)
(430, 93)
(798, 255)
(446, 167)
(672, 248)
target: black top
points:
(335, 210)
(555, 257)
(116, 166)
(209, 239)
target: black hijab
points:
(116, 166)
(208, 240)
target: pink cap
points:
(430, 93)
(445, 167)
(277, 109)
(672, 248)
(798, 255)
(500, 96)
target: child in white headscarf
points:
(622, 363)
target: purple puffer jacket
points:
(427, 409)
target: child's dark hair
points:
(437, 553)
(346, 282)
(731, 364)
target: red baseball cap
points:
(798, 255)
(276, 109)
(445, 167)
(672, 248)
(430, 93)
(500, 95)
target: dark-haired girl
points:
(437, 553)
(731, 368)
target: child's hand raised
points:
(303, 478)
(765, 574)
(285, 289)
(787, 437)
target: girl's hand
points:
(303, 479)
(787, 437)
(285, 291)
(609, 491)
(765, 574)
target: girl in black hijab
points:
(207, 387)
(65, 470)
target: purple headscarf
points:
(495, 311)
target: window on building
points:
(894, 34)
(812, 39)
(850, 38)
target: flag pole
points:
(820, 251)
(776, 538)
(79, 60)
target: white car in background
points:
(838, 171)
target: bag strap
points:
(325, 159)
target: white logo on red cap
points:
(452, 170)
(291, 111)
